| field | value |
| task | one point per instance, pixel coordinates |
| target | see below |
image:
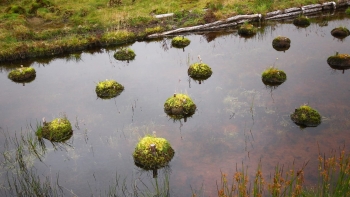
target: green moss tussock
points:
(306, 116)
(199, 71)
(340, 32)
(247, 29)
(180, 42)
(58, 130)
(301, 21)
(145, 158)
(339, 61)
(124, 54)
(108, 89)
(281, 43)
(179, 106)
(273, 76)
(22, 74)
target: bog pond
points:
(239, 120)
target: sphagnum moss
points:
(125, 54)
(273, 76)
(108, 89)
(180, 42)
(58, 130)
(306, 116)
(179, 106)
(199, 71)
(22, 74)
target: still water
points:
(238, 119)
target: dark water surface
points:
(238, 119)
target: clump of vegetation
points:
(180, 42)
(301, 21)
(15, 9)
(58, 130)
(339, 61)
(22, 74)
(179, 106)
(108, 89)
(347, 11)
(306, 116)
(247, 29)
(273, 76)
(199, 71)
(125, 54)
(281, 43)
(153, 153)
(340, 32)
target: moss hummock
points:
(179, 106)
(247, 30)
(180, 42)
(306, 116)
(340, 32)
(339, 61)
(58, 130)
(199, 71)
(108, 89)
(125, 54)
(22, 74)
(301, 21)
(281, 43)
(147, 159)
(273, 76)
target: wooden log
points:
(329, 5)
(281, 16)
(274, 13)
(313, 6)
(312, 10)
(289, 10)
(163, 15)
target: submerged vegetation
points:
(306, 116)
(108, 89)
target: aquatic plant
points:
(301, 21)
(22, 74)
(273, 76)
(180, 42)
(125, 54)
(281, 43)
(153, 153)
(179, 106)
(199, 71)
(306, 116)
(108, 89)
(340, 32)
(339, 61)
(247, 29)
(58, 130)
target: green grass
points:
(104, 22)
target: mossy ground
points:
(22, 74)
(247, 29)
(108, 89)
(180, 42)
(301, 21)
(146, 159)
(306, 116)
(199, 71)
(125, 54)
(273, 76)
(339, 61)
(58, 130)
(281, 43)
(179, 106)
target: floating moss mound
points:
(58, 130)
(147, 159)
(281, 43)
(273, 76)
(15, 9)
(306, 116)
(199, 71)
(247, 30)
(179, 106)
(340, 32)
(108, 89)
(339, 61)
(301, 21)
(22, 74)
(125, 54)
(180, 42)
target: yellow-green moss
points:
(58, 130)
(281, 43)
(179, 106)
(108, 89)
(247, 29)
(180, 42)
(22, 74)
(340, 32)
(125, 54)
(273, 76)
(339, 61)
(199, 71)
(148, 160)
(306, 116)
(301, 21)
